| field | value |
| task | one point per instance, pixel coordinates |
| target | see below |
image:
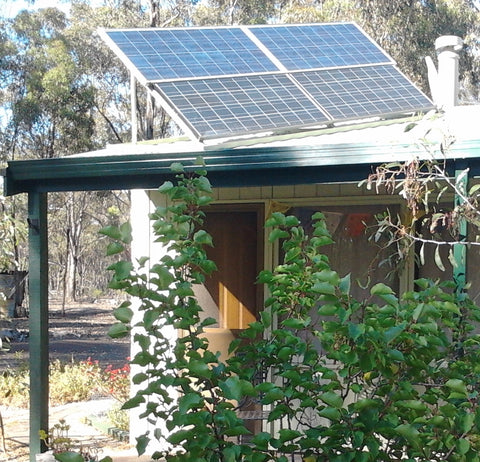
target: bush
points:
(73, 382)
(69, 382)
(387, 378)
(118, 417)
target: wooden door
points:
(236, 252)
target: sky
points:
(10, 8)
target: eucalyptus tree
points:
(407, 29)
(50, 100)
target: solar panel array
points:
(228, 81)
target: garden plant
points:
(387, 378)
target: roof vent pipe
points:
(444, 83)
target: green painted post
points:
(38, 293)
(460, 250)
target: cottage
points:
(304, 156)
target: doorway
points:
(231, 295)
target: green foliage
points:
(388, 378)
(119, 418)
(13, 233)
(69, 382)
(66, 449)
(57, 438)
(407, 30)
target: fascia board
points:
(266, 165)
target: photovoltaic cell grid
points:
(247, 103)
(322, 46)
(221, 82)
(163, 54)
(359, 92)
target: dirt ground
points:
(82, 333)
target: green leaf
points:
(232, 388)
(277, 234)
(177, 167)
(199, 368)
(261, 440)
(275, 394)
(293, 323)
(142, 443)
(358, 438)
(164, 277)
(410, 433)
(122, 269)
(345, 284)
(292, 254)
(474, 189)
(414, 404)
(69, 456)
(396, 355)
(355, 330)
(266, 318)
(165, 187)
(276, 219)
(133, 402)
(365, 403)
(203, 184)
(203, 238)
(330, 413)
(126, 232)
(381, 289)
(449, 306)
(189, 401)
(465, 422)
(114, 248)
(328, 276)
(327, 310)
(113, 232)
(118, 330)
(332, 399)
(237, 431)
(287, 434)
(462, 445)
(236, 388)
(123, 314)
(285, 353)
(457, 386)
(324, 288)
(392, 333)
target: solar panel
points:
(320, 45)
(248, 103)
(359, 92)
(161, 54)
(229, 81)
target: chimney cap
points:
(448, 41)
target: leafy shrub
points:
(73, 382)
(387, 378)
(117, 382)
(14, 387)
(69, 382)
(118, 417)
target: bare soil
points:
(78, 334)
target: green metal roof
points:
(253, 166)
